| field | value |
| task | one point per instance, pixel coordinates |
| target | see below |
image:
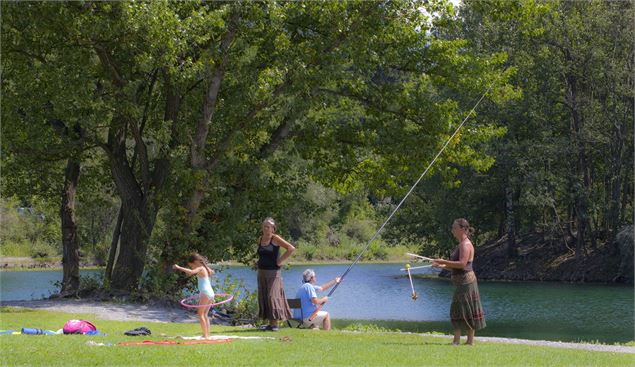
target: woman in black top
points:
(272, 301)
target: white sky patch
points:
(455, 3)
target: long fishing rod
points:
(407, 194)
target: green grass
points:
(374, 347)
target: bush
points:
(359, 230)
(88, 284)
(308, 251)
(42, 250)
(100, 253)
(377, 251)
(244, 306)
(19, 248)
(28, 231)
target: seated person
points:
(310, 302)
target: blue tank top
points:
(268, 256)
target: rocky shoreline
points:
(539, 259)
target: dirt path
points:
(111, 311)
(161, 313)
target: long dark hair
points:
(195, 256)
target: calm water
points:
(532, 310)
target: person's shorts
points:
(317, 321)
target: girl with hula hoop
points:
(198, 265)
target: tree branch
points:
(111, 68)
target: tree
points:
(201, 109)
(37, 140)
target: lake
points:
(374, 292)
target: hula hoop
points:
(185, 300)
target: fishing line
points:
(409, 192)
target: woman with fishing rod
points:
(466, 311)
(272, 301)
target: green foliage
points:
(32, 230)
(533, 149)
(42, 250)
(88, 284)
(327, 112)
(244, 306)
(377, 251)
(16, 249)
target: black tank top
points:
(268, 256)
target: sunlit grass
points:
(368, 346)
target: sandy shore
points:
(162, 313)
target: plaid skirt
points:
(272, 302)
(466, 311)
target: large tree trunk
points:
(114, 246)
(130, 260)
(138, 217)
(70, 258)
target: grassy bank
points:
(300, 348)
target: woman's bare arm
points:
(279, 241)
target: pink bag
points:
(78, 327)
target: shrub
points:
(42, 250)
(19, 248)
(359, 230)
(244, 306)
(88, 284)
(100, 253)
(309, 252)
(377, 251)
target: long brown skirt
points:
(466, 310)
(272, 302)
